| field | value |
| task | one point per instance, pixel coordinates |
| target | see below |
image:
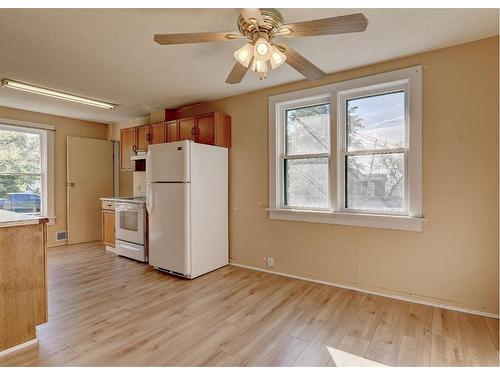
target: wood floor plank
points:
(384, 347)
(285, 353)
(317, 352)
(416, 343)
(477, 344)
(105, 310)
(494, 331)
(365, 325)
(447, 349)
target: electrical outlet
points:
(270, 262)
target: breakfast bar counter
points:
(23, 279)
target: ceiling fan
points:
(260, 27)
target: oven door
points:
(129, 222)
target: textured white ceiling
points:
(110, 54)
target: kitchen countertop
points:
(12, 219)
(125, 199)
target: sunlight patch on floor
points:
(345, 359)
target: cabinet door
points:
(127, 146)
(172, 131)
(205, 129)
(222, 130)
(108, 228)
(143, 135)
(157, 133)
(186, 126)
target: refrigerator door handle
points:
(149, 200)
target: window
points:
(349, 153)
(24, 166)
(307, 156)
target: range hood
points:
(139, 156)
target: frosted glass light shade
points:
(277, 57)
(259, 66)
(262, 50)
(244, 55)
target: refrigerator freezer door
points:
(169, 227)
(168, 162)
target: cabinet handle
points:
(148, 138)
(134, 149)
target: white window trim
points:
(46, 133)
(411, 80)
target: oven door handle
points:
(126, 210)
(127, 207)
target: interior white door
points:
(89, 178)
(169, 226)
(168, 162)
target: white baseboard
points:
(388, 295)
(19, 347)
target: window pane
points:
(306, 182)
(19, 152)
(308, 130)
(20, 193)
(375, 182)
(376, 122)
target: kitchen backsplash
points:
(139, 181)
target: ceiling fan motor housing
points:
(272, 22)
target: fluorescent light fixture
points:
(54, 94)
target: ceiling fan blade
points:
(183, 38)
(301, 64)
(249, 13)
(351, 23)
(237, 73)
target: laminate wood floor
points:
(110, 311)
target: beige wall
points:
(454, 261)
(64, 127)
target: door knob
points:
(70, 184)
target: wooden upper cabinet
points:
(143, 137)
(171, 131)
(186, 128)
(157, 132)
(127, 147)
(205, 129)
(213, 129)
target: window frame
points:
(337, 93)
(371, 91)
(309, 102)
(46, 162)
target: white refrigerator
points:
(187, 204)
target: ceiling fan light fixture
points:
(262, 50)
(277, 57)
(259, 66)
(244, 54)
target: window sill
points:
(355, 219)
